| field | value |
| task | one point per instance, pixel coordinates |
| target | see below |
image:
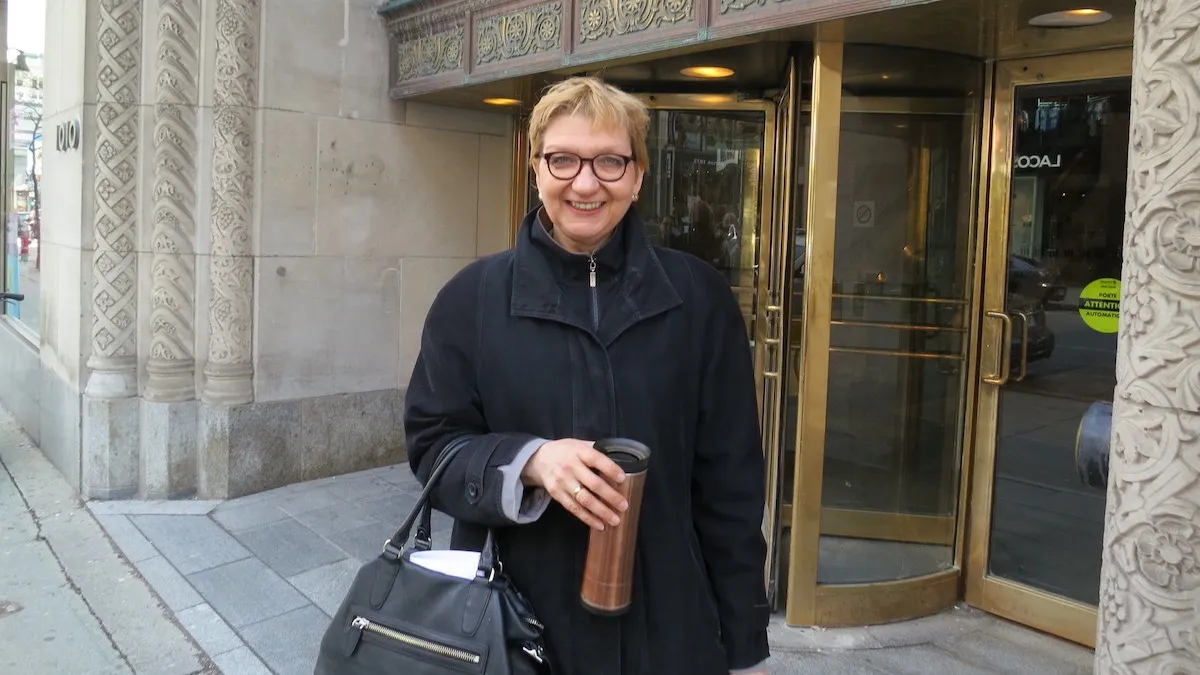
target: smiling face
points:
(585, 209)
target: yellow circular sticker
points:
(1100, 305)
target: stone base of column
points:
(168, 449)
(110, 448)
(213, 433)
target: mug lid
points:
(630, 455)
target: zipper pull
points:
(592, 271)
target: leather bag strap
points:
(488, 559)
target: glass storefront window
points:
(24, 86)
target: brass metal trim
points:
(896, 352)
(1024, 363)
(897, 326)
(1004, 355)
(862, 604)
(883, 526)
(900, 298)
(1054, 614)
(821, 223)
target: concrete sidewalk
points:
(255, 580)
(69, 603)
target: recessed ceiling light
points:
(713, 98)
(709, 72)
(501, 101)
(1071, 18)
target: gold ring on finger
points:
(576, 490)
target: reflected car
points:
(1029, 278)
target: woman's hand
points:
(580, 478)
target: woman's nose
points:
(586, 181)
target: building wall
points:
(238, 259)
(41, 372)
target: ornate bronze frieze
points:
(531, 30)
(430, 55)
(729, 6)
(599, 19)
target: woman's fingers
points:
(566, 495)
(596, 496)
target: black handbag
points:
(399, 618)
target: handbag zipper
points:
(447, 651)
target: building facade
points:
(964, 233)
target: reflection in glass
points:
(702, 193)
(897, 344)
(22, 240)
(1066, 223)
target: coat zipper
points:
(366, 625)
(595, 293)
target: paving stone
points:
(988, 650)
(390, 508)
(326, 586)
(925, 660)
(246, 592)
(209, 630)
(289, 548)
(298, 501)
(365, 542)
(813, 663)
(356, 487)
(191, 543)
(289, 642)
(243, 517)
(338, 517)
(240, 661)
(133, 544)
(174, 590)
(154, 507)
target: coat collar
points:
(542, 267)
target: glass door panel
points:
(1066, 223)
(704, 191)
(1056, 227)
(901, 287)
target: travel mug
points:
(608, 574)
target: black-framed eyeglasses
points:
(609, 168)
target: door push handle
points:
(1005, 355)
(1025, 319)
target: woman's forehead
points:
(571, 132)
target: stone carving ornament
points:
(229, 370)
(525, 32)
(609, 18)
(113, 358)
(171, 364)
(430, 55)
(1150, 590)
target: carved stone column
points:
(168, 423)
(171, 365)
(229, 371)
(109, 465)
(1150, 589)
(113, 358)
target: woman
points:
(583, 331)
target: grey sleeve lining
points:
(520, 505)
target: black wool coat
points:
(518, 346)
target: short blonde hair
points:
(594, 99)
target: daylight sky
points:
(27, 25)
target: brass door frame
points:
(1057, 615)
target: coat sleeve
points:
(728, 488)
(442, 407)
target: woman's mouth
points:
(586, 207)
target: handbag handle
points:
(391, 548)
